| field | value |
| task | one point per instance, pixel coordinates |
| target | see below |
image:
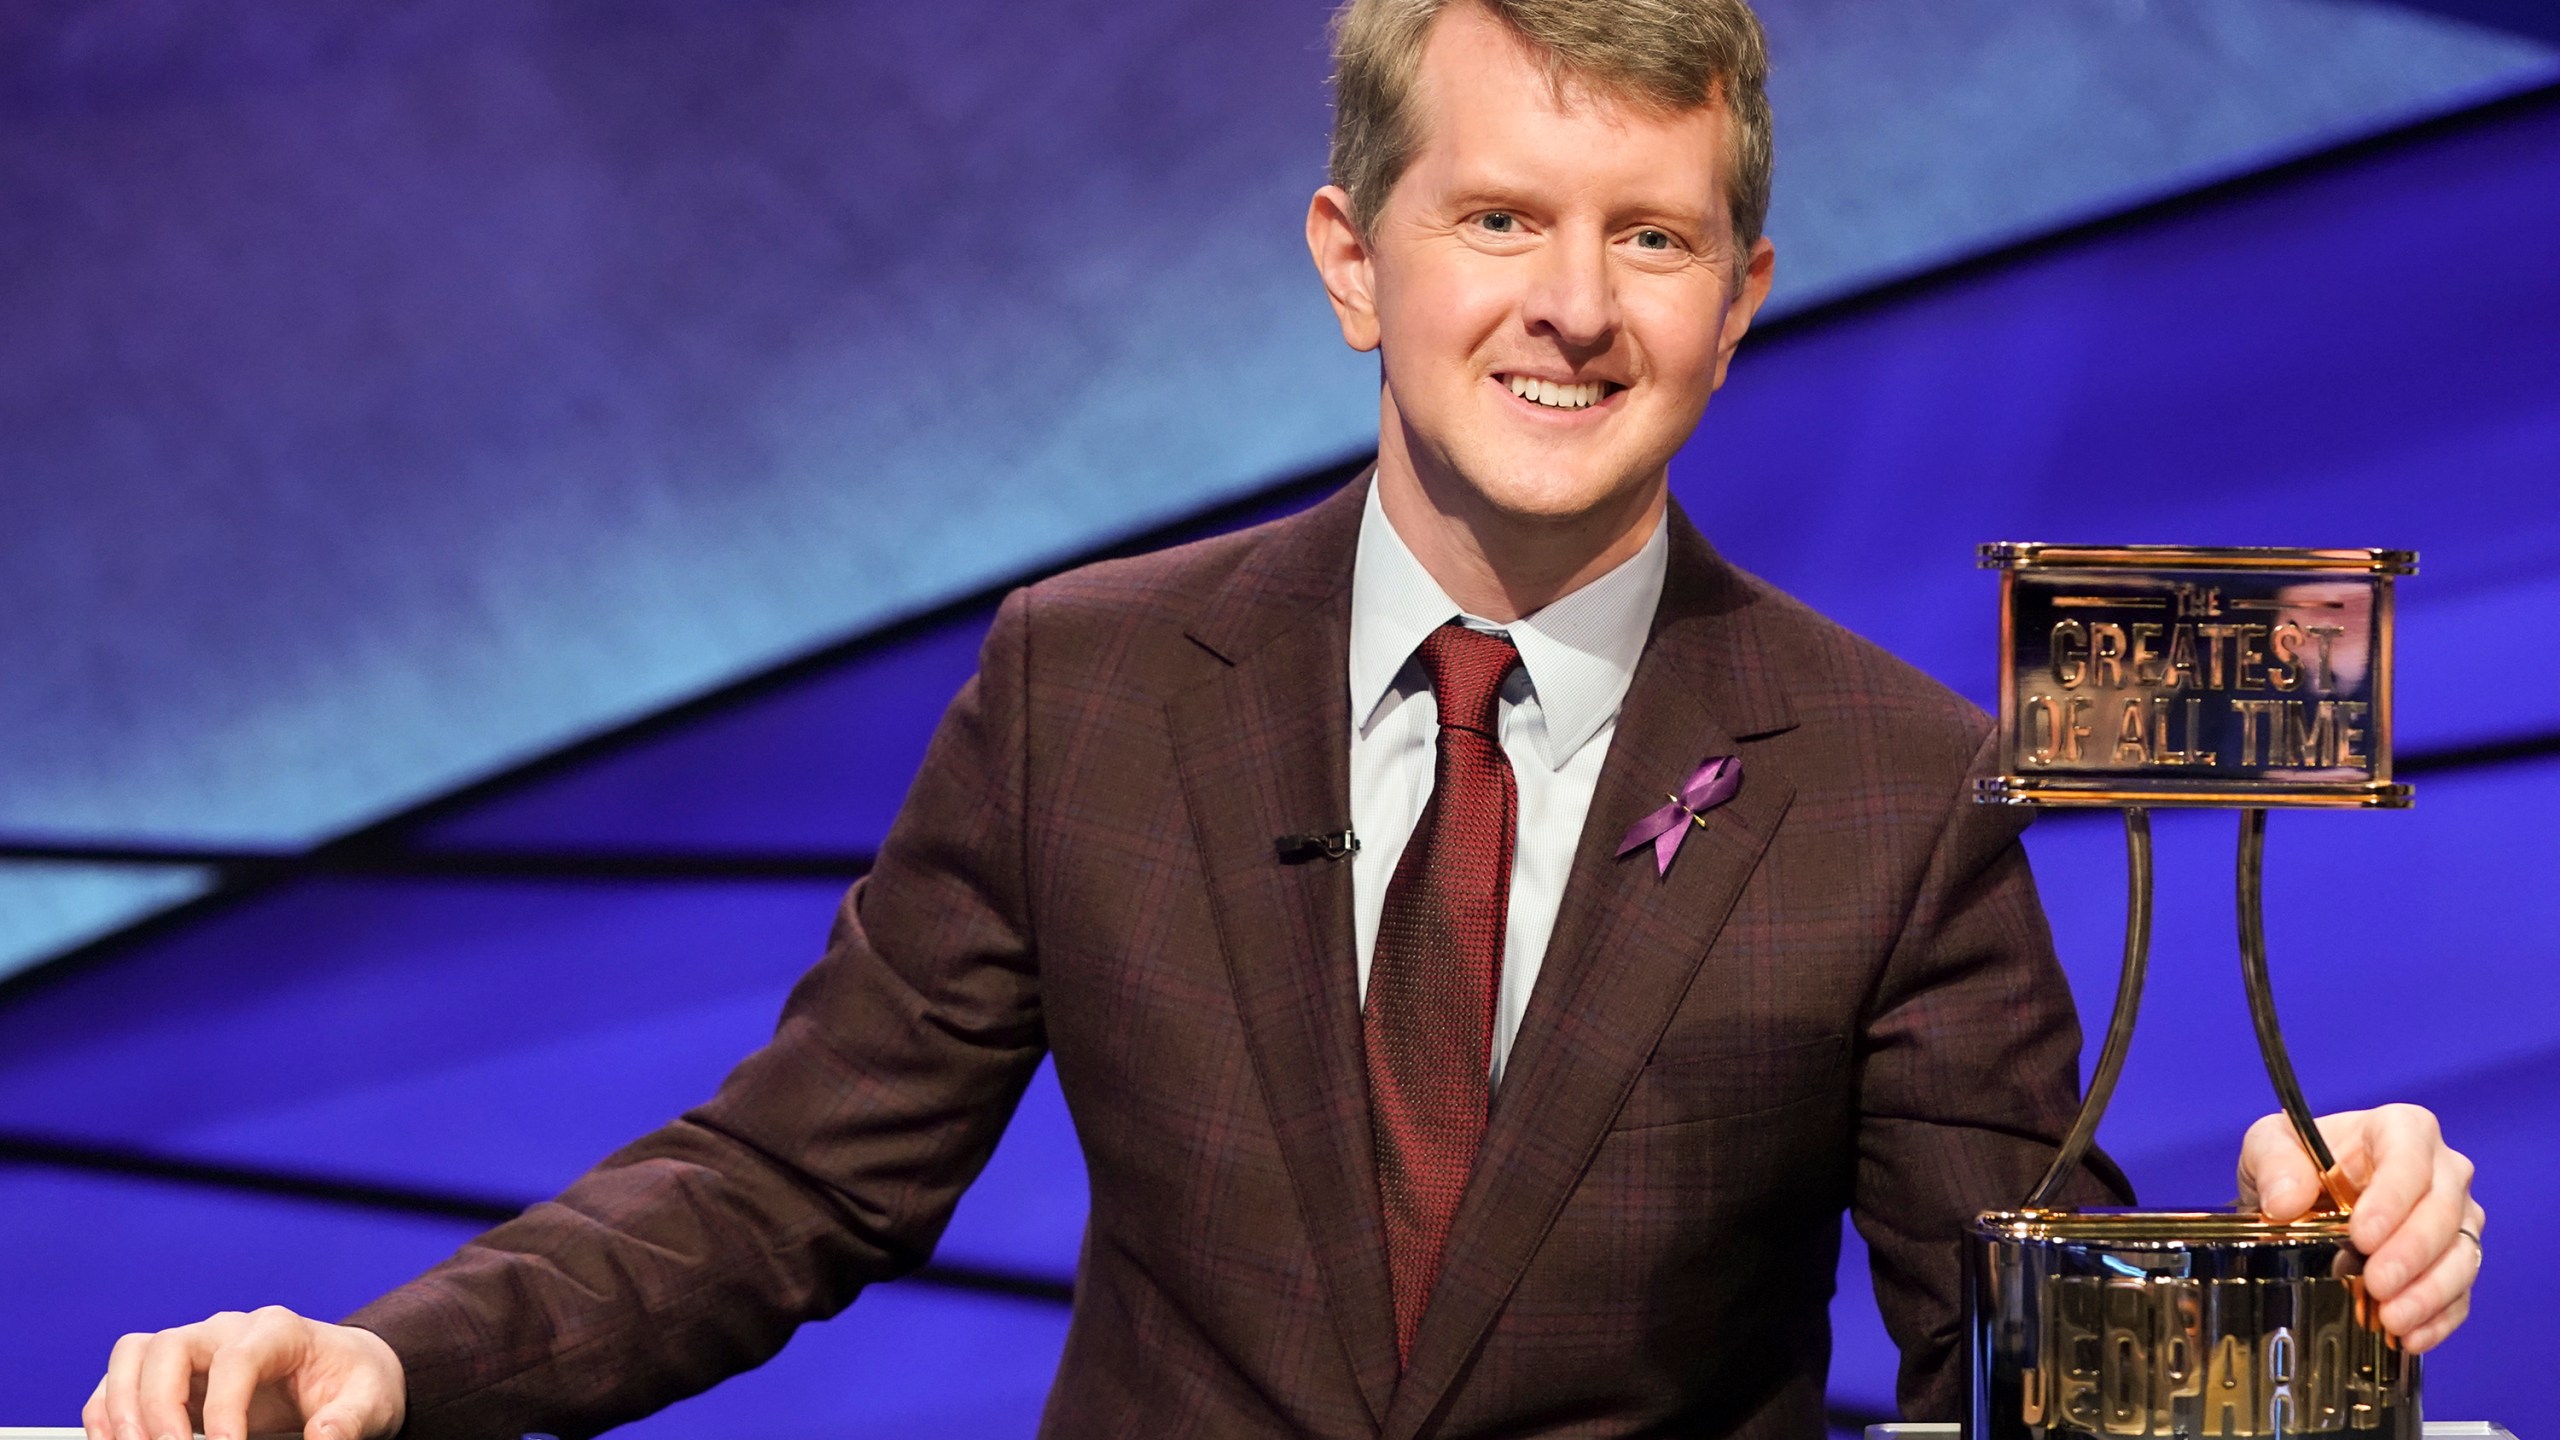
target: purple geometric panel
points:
(91, 1259)
(811, 760)
(819, 765)
(487, 1038)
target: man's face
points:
(1552, 283)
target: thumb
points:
(2276, 1174)
(340, 1419)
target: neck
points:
(1502, 564)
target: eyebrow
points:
(1498, 197)
(1483, 196)
(1499, 191)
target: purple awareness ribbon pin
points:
(1664, 829)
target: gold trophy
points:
(2135, 676)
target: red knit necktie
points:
(1437, 966)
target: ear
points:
(1757, 272)
(1342, 259)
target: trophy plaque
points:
(2146, 675)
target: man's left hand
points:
(2415, 1220)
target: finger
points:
(2428, 1336)
(2276, 1174)
(2425, 1235)
(93, 1415)
(2443, 1285)
(123, 1402)
(170, 1362)
(2403, 1146)
(267, 1350)
(2429, 1295)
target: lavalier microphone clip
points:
(1331, 845)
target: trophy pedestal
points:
(2195, 1325)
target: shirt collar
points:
(1579, 652)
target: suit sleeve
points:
(1970, 1077)
(830, 1159)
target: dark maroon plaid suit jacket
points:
(1842, 994)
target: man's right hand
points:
(236, 1375)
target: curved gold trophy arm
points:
(2339, 1190)
(2137, 958)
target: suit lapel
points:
(1627, 943)
(1263, 747)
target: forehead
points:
(1493, 111)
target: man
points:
(1494, 1124)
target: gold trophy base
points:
(2194, 1324)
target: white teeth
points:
(1562, 397)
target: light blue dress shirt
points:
(1559, 711)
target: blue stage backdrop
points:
(392, 394)
(391, 397)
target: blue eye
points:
(1500, 222)
(1653, 240)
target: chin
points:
(1543, 480)
(1527, 490)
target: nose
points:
(1573, 296)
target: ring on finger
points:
(2479, 1252)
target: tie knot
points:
(1467, 668)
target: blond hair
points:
(1668, 55)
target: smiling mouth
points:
(1560, 395)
